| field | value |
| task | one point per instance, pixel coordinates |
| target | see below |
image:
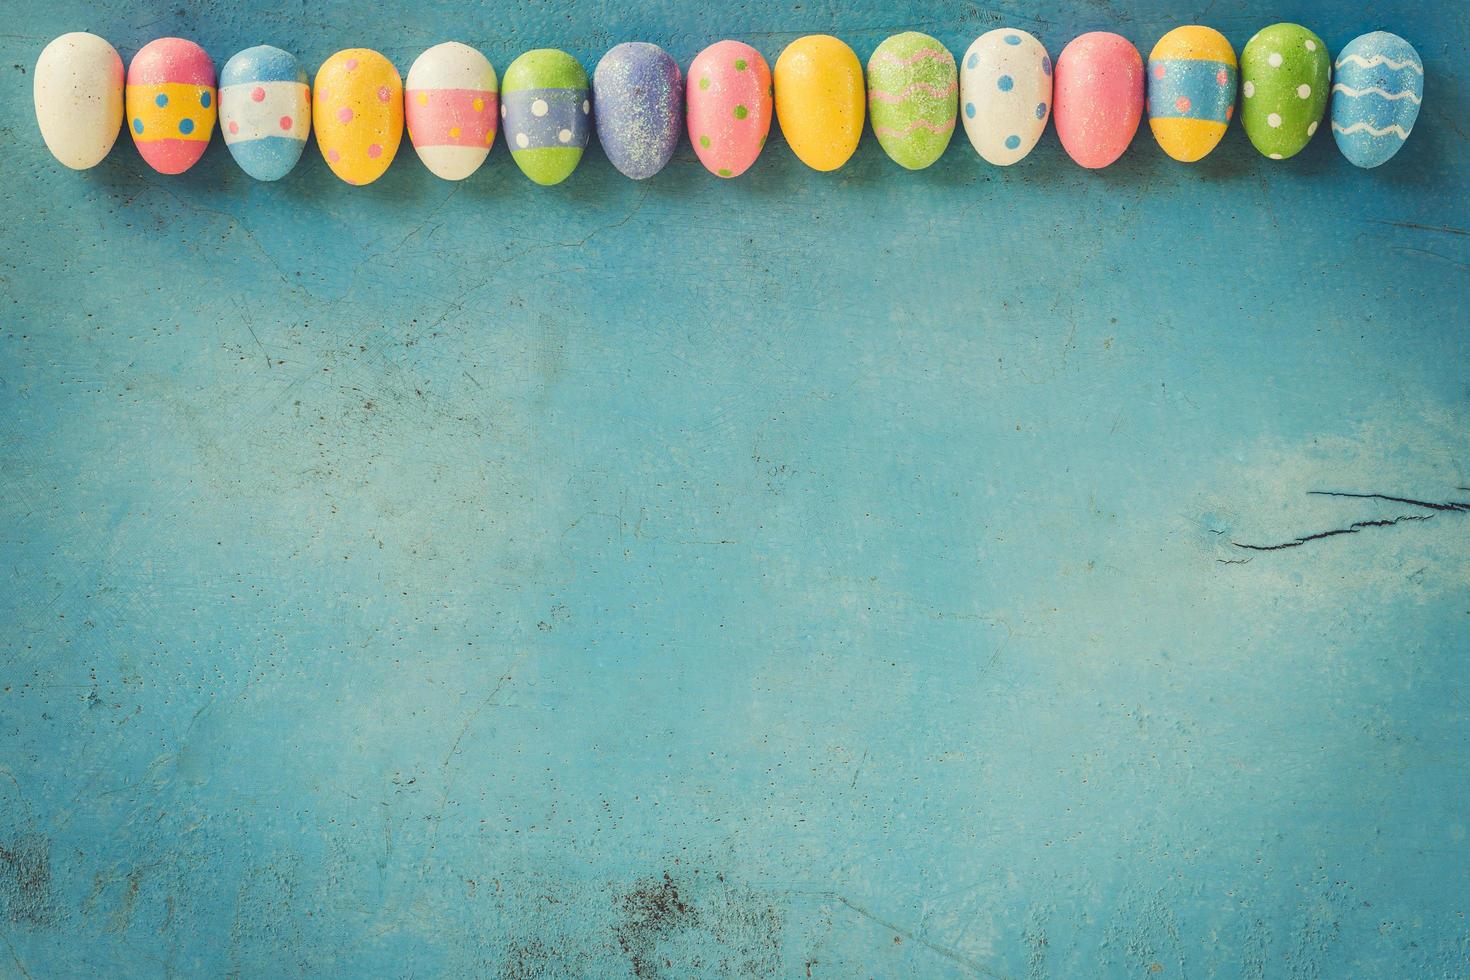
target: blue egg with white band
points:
(265, 111)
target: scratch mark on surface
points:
(478, 709)
(1431, 254)
(250, 325)
(15, 955)
(1415, 226)
(416, 229)
(1450, 505)
(953, 955)
(1357, 527)
(1353, 528)
(543, 246)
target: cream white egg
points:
(79, 98)
(1005, 94)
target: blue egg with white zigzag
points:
(1377, 89)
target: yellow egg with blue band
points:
(1192, 74)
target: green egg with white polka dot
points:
(1285, 71)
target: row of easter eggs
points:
(452, 102)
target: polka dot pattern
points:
(452, 109)
(265, 114)
(1191, 91)
(1285, 70)
(169, 101)
(1006, 93)
(357, 128)
(545, 93)
(727, 143)
(540, 115)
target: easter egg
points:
(546, 109)
(264, 110)
(451, 104)
(357, 112)
(1191, 91)
(1099, 98)
(1284, 72)
(170, 99)
(820, 100)
(639, 92)
(1376, 94)
(1005, 94)
(79, 98)
(913, 89)
(728, 107)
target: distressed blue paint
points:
(404, 580)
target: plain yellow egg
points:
(820, 100)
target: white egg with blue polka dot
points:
(1005, 94)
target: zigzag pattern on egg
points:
(1376, 97)
(914, 94)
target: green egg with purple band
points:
(546, 113)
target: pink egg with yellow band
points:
(170, 103)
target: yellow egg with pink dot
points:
(357, 113)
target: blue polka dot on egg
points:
(974, 60)
(137, 125)
(1013, 39)
(1041, 111)
(204, 99)
(969, 110)
(1005, 83)
(160, 100)
(1013, 142)
(1046, 64)
(186, 126)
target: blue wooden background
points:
(800, 575)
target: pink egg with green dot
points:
(728, 107)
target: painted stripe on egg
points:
(913, 93)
